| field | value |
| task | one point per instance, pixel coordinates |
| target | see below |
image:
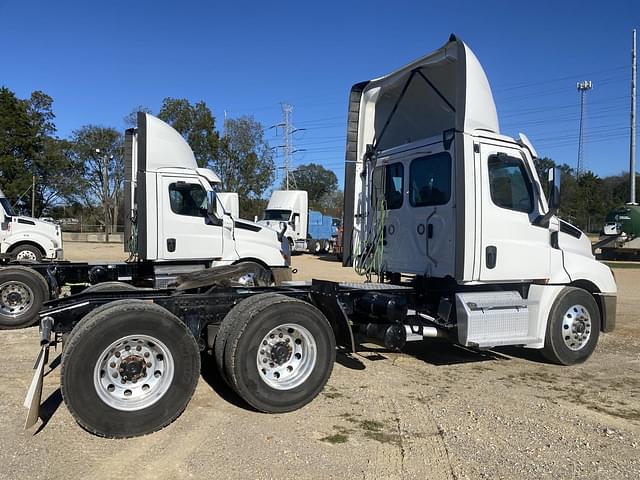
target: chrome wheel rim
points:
(26, 255)
(133, 373)
(15, 298)
(576, 327)
(286, 356)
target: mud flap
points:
(34, 394)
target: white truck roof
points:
(446, 89)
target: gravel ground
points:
(436, 411)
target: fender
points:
(46, 244)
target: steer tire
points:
(561, 346)
(28, 285)
(244, 343)
(174, 353)
(28, 252)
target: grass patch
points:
(371, 425)
(335, 438)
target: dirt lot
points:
(437, 412)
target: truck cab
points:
(435, 192)
(26, 238)
(288, 210)
(175, 213)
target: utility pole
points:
(632, 142)
(33, 196)
(583, 87)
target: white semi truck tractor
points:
(176, 224)
(26, 238)
(445, 210)
(289, 210)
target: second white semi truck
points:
(27, 238)
(444, 209)
(307, 230)
(168, 232)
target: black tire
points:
(232, 318)
(109, 287)
(262, 276)
(252, 323)
(574, 308)
(29, 251)
(22, 293)
(97, 332)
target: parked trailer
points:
(177, 223)
(437, 202)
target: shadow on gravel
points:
(440, 353)
(523, 353)
(210, 375)
(48, 408)
(348, 360)
(331, 257)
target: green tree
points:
(245, 163)
(196, 124)
(100, 152)
(319, 183)
(28, 148)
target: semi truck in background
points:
(26, 238)
(442, 208)
(177, 224)
(620, 236)
(306, 230)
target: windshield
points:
(6, 204)
(277, 215)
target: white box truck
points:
(440, 204)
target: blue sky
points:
(98, 60)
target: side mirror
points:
(255, 218)
(554, 189)
(211, 204)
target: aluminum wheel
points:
(133, 373)
(26, 255)
(15, 298)
(576, 327)
(286, 356)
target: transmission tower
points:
(287, 147)
(583, 87)
(287, 110)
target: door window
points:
(509, 184)
(188, 199)
(430, 179)
(390, 180)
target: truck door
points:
(419, 224)
(185, 232)
(513, 248)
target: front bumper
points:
(608, 305)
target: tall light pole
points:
(583, 87)
(632, 142)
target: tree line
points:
(586, 199)
(83, 176)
